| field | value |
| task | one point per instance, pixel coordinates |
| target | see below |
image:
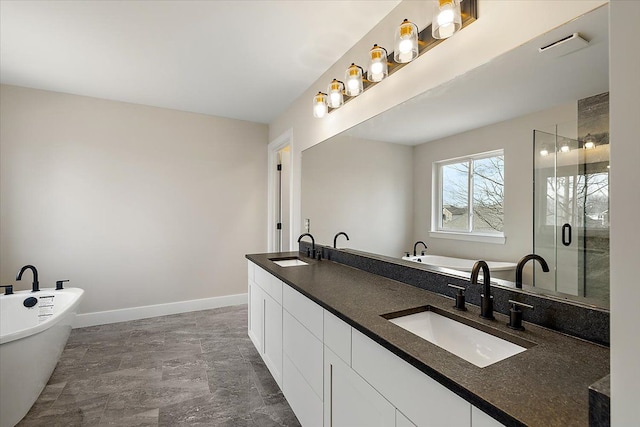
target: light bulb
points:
(335, 89)
(334, 99)
(376, 68)
(544, 152)
(353, 84)
(319, 111)
(446, 15)
(565, 148)
(588, 145)
(405, 46)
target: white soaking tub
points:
(499, 269)
(31, 342)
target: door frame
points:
(286, 139)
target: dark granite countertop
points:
(547, 385)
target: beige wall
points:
(516, 138)
(624, 92)
(137, 205)
(361, 187)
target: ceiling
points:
(516, 83)
(246, 60)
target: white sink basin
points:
(471, 344)
(291, 262)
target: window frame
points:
(437, 230)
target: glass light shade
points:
(406, 42)
(335, 91)
(378, 68)
(589, 142)
(446, 18)
(353, 79)
(320, 105)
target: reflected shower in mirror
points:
(376, 181)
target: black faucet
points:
(523, 261)
(35, 285)
(486, 301)
(335, 238)
(313, 244)
(416, 245)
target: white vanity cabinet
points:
(265, 318)
(332, 375)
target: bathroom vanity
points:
(319, 327)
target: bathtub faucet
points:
(415, 247)
(35, 285)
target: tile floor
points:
(190, 369)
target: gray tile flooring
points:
(190, 369)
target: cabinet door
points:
(256, 316)
(273, 338)
(349, 400)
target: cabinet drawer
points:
(337, 336)
(269, 283)
(424, 401)
(304, 350)
(480, 419)
(307, 312)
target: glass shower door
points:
(571, 225)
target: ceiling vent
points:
(564, 46)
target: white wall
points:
(624, 66)
(516, 138)
(137, 205)
(361, 187)
(477, 44)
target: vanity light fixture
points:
(589, 142)
(320, 105)
(336, 94)
(353, 77)
(378, 67)
(446, 18)
(406, 42)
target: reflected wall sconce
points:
(353, 77)
(378, 67)
(336, 94)
(544, 152)
(589, 142)
(564, 148)
(405, 42)
(409, 43)
(447, 18)
(320, 105)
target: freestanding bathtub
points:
(31, 342)
(499, 269)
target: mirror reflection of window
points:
(471, 194)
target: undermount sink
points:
(288, 261)
(439, 328)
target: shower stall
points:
(571, 213)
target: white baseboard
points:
(135, 313)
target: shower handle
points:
(566, 238)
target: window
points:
(469, 196)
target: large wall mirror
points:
(381, 182)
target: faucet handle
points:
(8, 289)
(515, 315)
(459, 305)
(59, 284)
